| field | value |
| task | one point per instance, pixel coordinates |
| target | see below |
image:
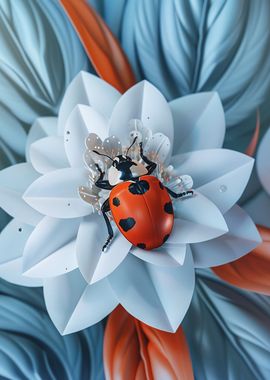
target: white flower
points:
(56, 238)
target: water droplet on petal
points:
(222, 188)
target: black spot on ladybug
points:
(116, 201)
(166, 237)
(141, 245)
(127, 224)
(139, 187)
(168, 208)
(161, 186)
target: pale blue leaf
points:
(112, 12)
(228, 331)
(189, 46)
(40, 54)
(32, 348)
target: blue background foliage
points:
(181, 46)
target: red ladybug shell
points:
(142, 211)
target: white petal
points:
(142, 133)
(220, 174)
(48, 154)
(42, 127)
(197, 219)
(12, 241)
(89, 90)
(93, 263)
(263, 161)
(199, 122)
(158, 296)
(13, 182)
(167, 255)
(74, 305)
(158, 148)
(142, 101)
(82, 121)
(56, 194)
(50, 249)
(242, 238)
(112, 146)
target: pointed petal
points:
(263, 161)
(93, 263)
(199, 122)
(167, 255)
(89, 90)
(219, 174)
(142, 101)
(50, 249)
(13, 182)
(242, 238)
(112, 146)
(42, 127)
(48, 154)
(12, 241)
(159, 148)
(56, 194)
(197, 219)
(82, 121)
(74, 305)
(157, 296)
(251, 271)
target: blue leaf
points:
(40, 54)
(32, 348)
(189, 46)
(112, 13)
(228, 331)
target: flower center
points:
(110, 162)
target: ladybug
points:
(139, 203)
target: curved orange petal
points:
(102, 48)
(254, 141)
(135, 351)
(250, 272)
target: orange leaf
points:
(135, 351)
(251, 271)
(100, 45)
(254, 141)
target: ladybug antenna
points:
(101, 154)
(133, 142)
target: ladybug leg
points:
(151, 166)
(104, 209)
(179, 195)
(101, 183)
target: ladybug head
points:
(124, 168)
